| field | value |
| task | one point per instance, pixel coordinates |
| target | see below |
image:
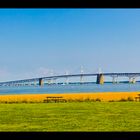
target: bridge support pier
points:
(35, 83)
(132, 80)
(81, 79)
(52, 81)
(40, 82)
(67, 80)
(114, 79)
(100, 79)
(49, 81)
(29, 83)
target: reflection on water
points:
(71, 88)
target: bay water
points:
(70, 88)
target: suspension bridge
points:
(100, 78)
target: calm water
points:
(70, 88)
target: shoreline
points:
(103, 96)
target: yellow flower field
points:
(105, 96)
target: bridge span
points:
(100, 78)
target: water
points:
(75, 88)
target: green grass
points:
(74, 116)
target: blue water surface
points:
(75, 88)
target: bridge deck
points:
(72, 75)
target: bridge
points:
(100, 78)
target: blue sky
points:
(36, 42)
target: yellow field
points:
(105, 96)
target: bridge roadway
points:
(100, 77)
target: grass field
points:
(70, 116)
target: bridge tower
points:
(40, 82)
(100, 78)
